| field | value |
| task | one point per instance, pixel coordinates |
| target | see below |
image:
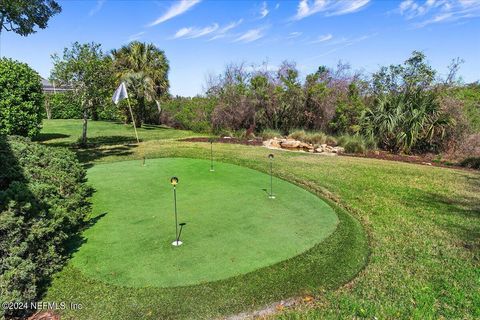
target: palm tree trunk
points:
(159, 107)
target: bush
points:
(300, 135)
(270, 134)
(43, 202)
(472, 162)
(21, 99)
(469, 95)
(188, 113)
(63, 105)
(352, 144)
(317, 138)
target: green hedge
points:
(43, 202)
(21, 99)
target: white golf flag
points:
(120, 93)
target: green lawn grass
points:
(67, 131)
(423, 226)
(232, 228)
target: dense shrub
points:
(270, 134)
(354, 143)
(313, 137)
(472, 162)
(188, 113)
(349, 112)
(43, 202)
(21, 99)
(469, 95)
(64, 105)
(298, 135)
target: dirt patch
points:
(417, 159)
(44, 315)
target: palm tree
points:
(144, 68)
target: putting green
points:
(232, 227)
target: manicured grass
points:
(232, 228)
(68, 131)
(423, 226)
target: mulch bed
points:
(382, 155)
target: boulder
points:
(338, 150)
(290, 144)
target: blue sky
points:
(201, 37)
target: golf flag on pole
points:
(120, 93)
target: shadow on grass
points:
(109, 140)
(76, 241)
(454, 213)
(99, 147)
(42, 137)
(88, 155)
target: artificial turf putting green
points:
(232, 226)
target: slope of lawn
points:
(423, 226)
(232, 226)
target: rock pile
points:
(296, 145)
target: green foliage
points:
(64, 105)
(88, 71)
(21, 99)
(298, 135)
(472, 162)
(352, 143)
(270, 134)
(144, 68)
(470, 96)
(188, 113)
(22, 17)
(348, 113)
(406, 114)
(42, 206)
(313, 137)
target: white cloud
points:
(97, 7)
(343, 43)
(230, 26)
(436, 11)
(277, 6)
(264, 10)
(193, 32)
(323, 38)
(136, 36)
(250, 36)
(182, 32)
(295, 34)
(347, 7)
(222, 32)
(329, 7)
(178, 8)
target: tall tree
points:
(22, 16)
(406, 114)
(88, 71)
(144, 68)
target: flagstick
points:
(133, 119)
(135, 127)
